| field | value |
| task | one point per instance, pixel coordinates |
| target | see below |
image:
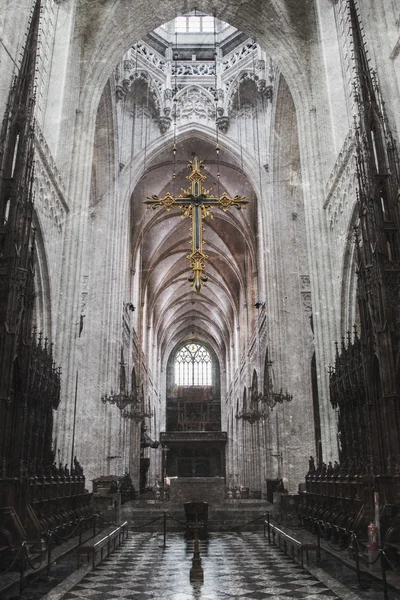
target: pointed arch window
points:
(193, 366)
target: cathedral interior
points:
(200, 268)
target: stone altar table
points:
(197, 489)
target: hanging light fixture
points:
(253, 414)
(271, 398)
(134, 413)
(129, 404)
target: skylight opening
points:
(194, 24)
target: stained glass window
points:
(193, 366)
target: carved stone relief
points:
(306, 299)
(49, 203)
(305, 282)
(190, 69)
(245, 62)
(195, 103)
(238, 54)
(84, 292)
(149, 54)
(305, 293)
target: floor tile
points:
(236, 567)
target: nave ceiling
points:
(149, 120)
(163, 240)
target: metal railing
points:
(354, 545)
(22, 555)
(287, 538)
(24, 560)
(185, 524)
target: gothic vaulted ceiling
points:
(172, 309)
(164, 241)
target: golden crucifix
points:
(196, 202)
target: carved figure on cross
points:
(196, 202)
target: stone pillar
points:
(134, 457)
(68, 347)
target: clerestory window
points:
(193, 366)
(194, 24)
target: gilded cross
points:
(196, 202)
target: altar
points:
(197, 489)
(194, 454)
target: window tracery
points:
(193, 366)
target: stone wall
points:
(87, 248)
(51, 209)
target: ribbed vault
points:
(163, 239)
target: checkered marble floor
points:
(236, 566)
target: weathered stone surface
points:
(286, 102)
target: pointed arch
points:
(193, 365)
(254, 386)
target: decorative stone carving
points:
(47, 203)
(340, 189)
(121, 89)
(306, 299)
(159, 86)
(48, 160)
(344, 157)
(238, 54)
(341, 186)
(84, 292)
(150, 55)
(49, 197)
(195, 103)
(193, 68)
(200, 101)
(164, 123)
(128, 65)
(305, 293)
(305, 282)
(264, 89)
(223, 124)
(247, 111)
(232, 86)
(341, 201)
(123, 86)
(210, 89)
